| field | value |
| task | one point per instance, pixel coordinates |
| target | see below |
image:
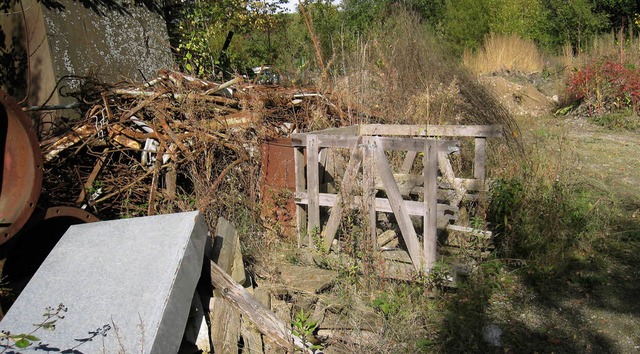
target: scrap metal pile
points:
(174, 143)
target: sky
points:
(292, 4)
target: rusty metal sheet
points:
(21, 174)
(278, 180)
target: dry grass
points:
(502, 53)
(621, 46)
(402, 75)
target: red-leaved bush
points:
(606, 86)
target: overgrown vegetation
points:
(395, 62)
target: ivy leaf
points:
(22, 343)
(189, 67)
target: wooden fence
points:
(369, 168)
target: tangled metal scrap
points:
(169, 144)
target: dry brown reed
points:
(505, 53)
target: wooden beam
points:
(417, 144)
(398, 206)
(480, 160)
(408, 162)
(414, 208)
(369, 193)
(301, 213)
(313, 187)
(430, 204)
(350, 130)
(487, 131)
(348, 182)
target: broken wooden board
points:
(311, 280)
(225, 321)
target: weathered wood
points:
(398, 206)
(397, 255)
(488, 131)
(301, 213)
(408, 162)
(264, 320)
(369, 191)
(348, 182)
(414, 208)
(225, 329)
(480, 161)
(417, 144)
(470, 230)
(447, 174)
(251, 337)
(313, 187)
(389, 143)
(350, 130)
(430, 204)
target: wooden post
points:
(480, 160)
(348, 180)
(398, 206)
(408, 162)
(369, 192)
(313, 187)
(430, 203)
(301, 213)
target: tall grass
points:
(401, 74)
(505, 53)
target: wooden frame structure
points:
(368, 144)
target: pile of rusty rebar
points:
(171, 144)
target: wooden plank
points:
(348, 182)
(414, 208)
(369, 191)
(480, 160)
(447, 174)
(337, 141)
(225, 325)
(398, 206)
(487, 131)
(226, 329)
(350, 130)
(396, 255)
(251, 338)
(408, 162)
(313, 187)
(417, 144)
(301, 212)
(469, 230)
(430, 204)
(264, 320)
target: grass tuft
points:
(505, 54)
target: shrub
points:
(606, 86)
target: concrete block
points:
(133, 279)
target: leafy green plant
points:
(304, 327)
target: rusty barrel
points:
(21, 163)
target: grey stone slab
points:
(134, 276)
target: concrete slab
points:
(128, 286)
